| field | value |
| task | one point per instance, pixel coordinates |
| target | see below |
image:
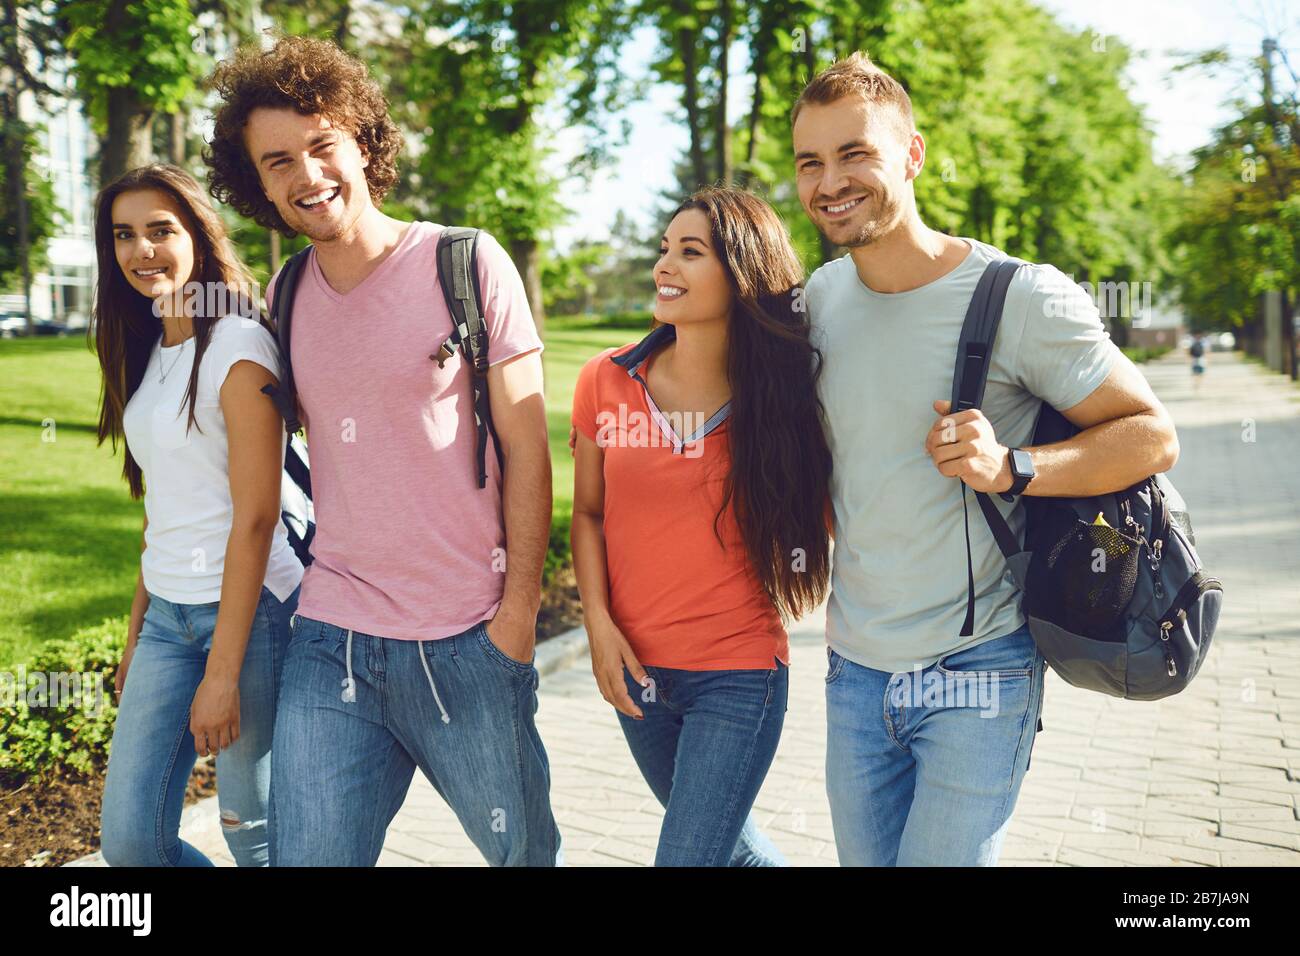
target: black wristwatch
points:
(1022, 473)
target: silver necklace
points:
(163, 373)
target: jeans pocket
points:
(160, 617)
(519, 668)
(306, 630)
(834, 665)
(1013, 656)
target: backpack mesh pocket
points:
(1084, 580)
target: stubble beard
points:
(883, 214)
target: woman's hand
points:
(214, 715)
(119, 680)
(610, 653)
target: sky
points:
(1182, 110)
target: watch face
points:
(1022, 464)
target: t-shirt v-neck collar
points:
(414, 232)
(634, 362)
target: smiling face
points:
(153, 244)
(689, 277)
(854, 169)
(313, 171)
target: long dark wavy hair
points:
(780, 462)
(124, 328)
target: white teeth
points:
(841, 208)
(671, 291)
(145, 273)
(319, 198)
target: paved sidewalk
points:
(1209, 777)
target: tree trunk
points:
(24, 240)
(1288, 336)
(758, 55)
(691, 96)
(341, 28)
(527, 258)
(14, 137)
(129, 140)
(722, 132)
(177, 123)
(275, 250)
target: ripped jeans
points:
(153, 752)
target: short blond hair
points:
(856, 75)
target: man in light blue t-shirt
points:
(929, 731)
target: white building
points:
(63, 292)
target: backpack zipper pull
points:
(1154, 553)
(1170, 667)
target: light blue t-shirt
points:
(898, 583)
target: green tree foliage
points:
(27, 208)
(1033, 142)
(1239, 235)
(477, 84)
(134, 59)
(42, 211)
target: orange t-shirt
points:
(680, 598)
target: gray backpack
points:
(1124, 607)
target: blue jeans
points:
(153, 753)
(358, 713)
(923, 768)
(704, 747)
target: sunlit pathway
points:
(1208, 777)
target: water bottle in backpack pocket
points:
(1115, 593)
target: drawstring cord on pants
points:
(349, 695)
(349, 683)
(446, 719)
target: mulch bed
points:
(52, 821)
(56, 820)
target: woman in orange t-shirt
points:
(698, 520)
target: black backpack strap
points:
(974, 355)
(285, 395)
(458, 276)
(297, 468)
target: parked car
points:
(11, 325)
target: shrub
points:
(1141, 353)
(36, 738)
(559, 555)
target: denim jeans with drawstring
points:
(358, 713)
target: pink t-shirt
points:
(407, 545)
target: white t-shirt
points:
(187, 475)
(898, 581)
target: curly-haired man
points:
(413, 641)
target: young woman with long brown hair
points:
(185, 355)
(699, 520)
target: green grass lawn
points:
(69, 532)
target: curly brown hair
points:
(313, 77)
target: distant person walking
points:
(1198, 349)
